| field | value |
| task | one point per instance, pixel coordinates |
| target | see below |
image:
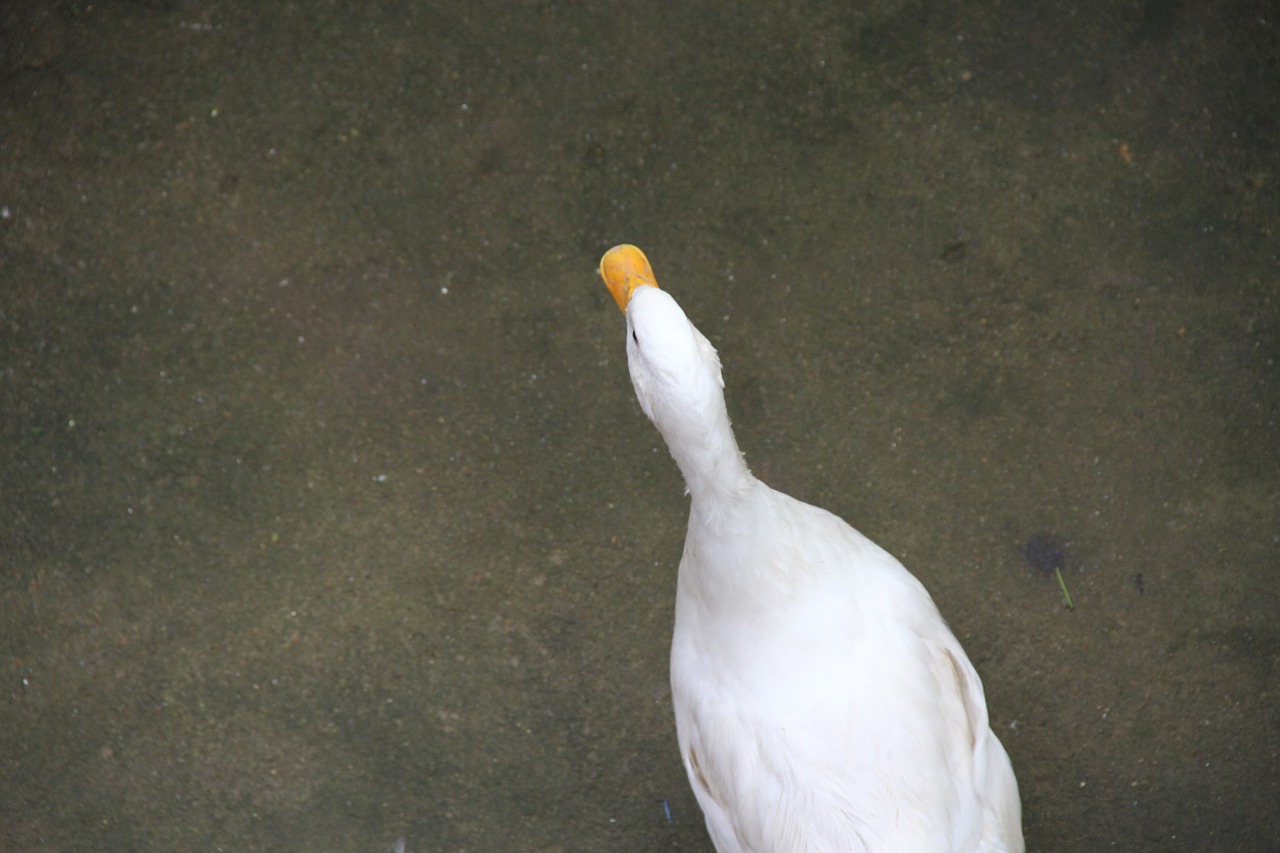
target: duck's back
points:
(821, 701)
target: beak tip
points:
(624, 268)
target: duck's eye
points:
(635, 337)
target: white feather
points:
(821, 701)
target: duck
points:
(822, 704)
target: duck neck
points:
(708, 455)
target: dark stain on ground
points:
(1045, 553)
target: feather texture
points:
(821, 701)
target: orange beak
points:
(624, 268)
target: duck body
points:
(821, 702)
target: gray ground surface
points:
(329, 518)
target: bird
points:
(821, 701)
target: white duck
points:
(821, 702)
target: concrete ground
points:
(330, 522)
